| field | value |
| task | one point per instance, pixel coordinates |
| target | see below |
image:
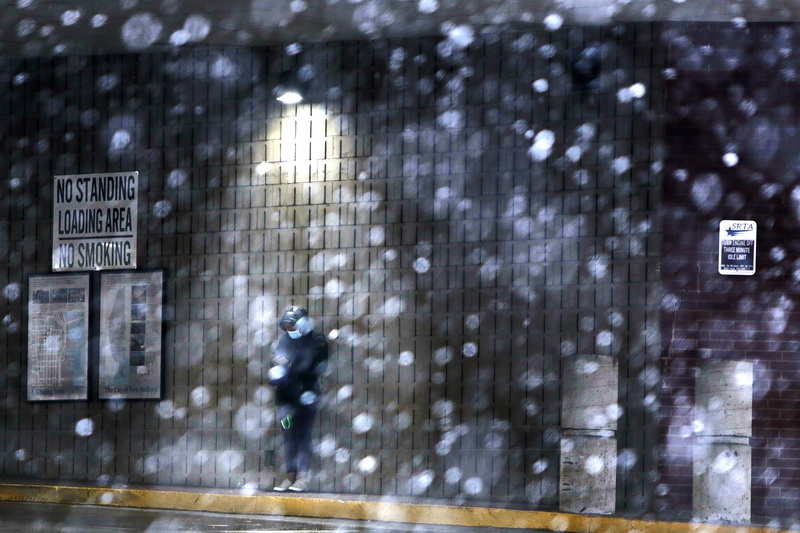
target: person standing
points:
(300, 359)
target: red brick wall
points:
(732, 90)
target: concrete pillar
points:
(588, 482)
(722, 454)
(589, 412)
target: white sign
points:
(95, 221)
(737, 247)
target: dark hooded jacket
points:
(305, 360)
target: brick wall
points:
(403, 206)
(732, 90)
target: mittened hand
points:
(277, 374)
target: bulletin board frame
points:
(58, 337)
(130, 358)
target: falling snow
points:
(141, 31)
(523, 222)
(84, 427)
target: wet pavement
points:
(61, 518)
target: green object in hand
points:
(286, 422)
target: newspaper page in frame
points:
(130, 335)
(58, 337)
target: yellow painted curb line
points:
(308, 506)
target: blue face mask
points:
(296, 334)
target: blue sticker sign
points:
(737, 247)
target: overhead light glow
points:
(290, 97)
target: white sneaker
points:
(301, 485)
(283, 487)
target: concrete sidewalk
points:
(63, 518)
(428, 516)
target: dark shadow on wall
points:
(730, 130)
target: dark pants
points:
(297, 439)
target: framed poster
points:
(58, 337)
(130, 335)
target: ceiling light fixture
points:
(290, 90)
